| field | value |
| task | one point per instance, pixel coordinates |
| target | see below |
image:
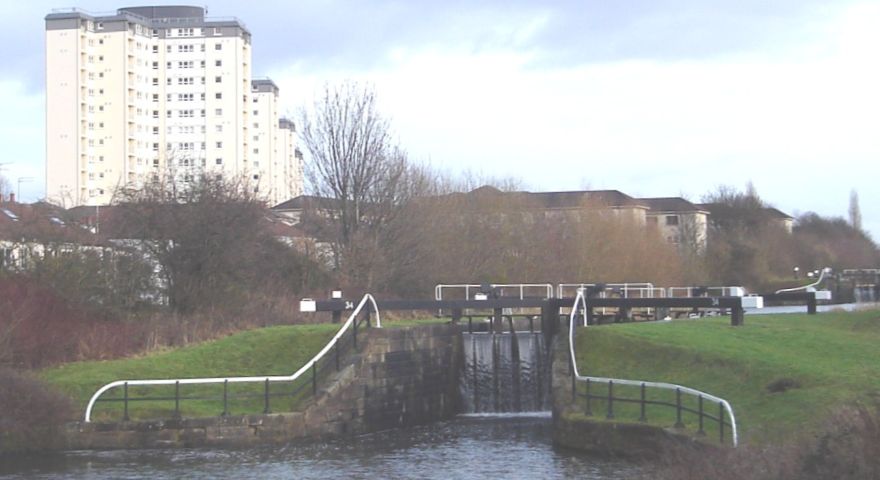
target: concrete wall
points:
(401, 377)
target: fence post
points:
(721, 422)
(266, 397)
(610, 414)
(589, 411)
(701, 431)
(125, 402)
(643, 417)
(314, 379)
(225, 398)
(176, 399)
(678, 422)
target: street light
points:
(22, 179)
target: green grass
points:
(833, 358)
(277, 350)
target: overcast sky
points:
(650, 97)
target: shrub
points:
(31, 413)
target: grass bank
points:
(278, 350)
(783, 374)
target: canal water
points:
(503, 446)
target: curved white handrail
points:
(805, 287)
(580, 300)
(275, 378)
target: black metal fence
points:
(227, 398)
(622, 400)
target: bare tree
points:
(363, 176)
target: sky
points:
(650, 97)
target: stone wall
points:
(400, 377)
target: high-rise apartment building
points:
(151, 90)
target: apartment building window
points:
(256, 150)
(218, 79)
(185, 32)
(203, 64)
(185, 81)
(256, 177)
(256, 137)
(101, 158)
(155, 48)
(185, 97)
(91, 59)
(219, 144)
(218, 112)
(203, 80)
(100, 74)
(100, 108)
(672, 220)
(155, 97)
(203, 145)
(185, 64)
(256, 125)
(155, 32)
(100, 41)
(168, 97)
(155, 130)
(168, 49)
(219, 161)
(256, 112)
(185, 48)
(155, 65)
(100, 25)
(155, 147)
(218, 95)
(155, 113)
(202, 97)
(203, 114)
(186, 113)
(218, 31)
(218, 46)
(218, 63)
(168, 113)
(203, 48)
(219, 128)
(156, 81)
(168, 65)
(100, 124)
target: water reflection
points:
(474, 446)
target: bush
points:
(847, 448)
(31, 413)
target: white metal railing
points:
(732, 291)
(520, 288)
(277, 378)
(624, 288)
(580, 301)
(808, 287)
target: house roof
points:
(578, 199)
(302, 202)
(671, 204)
(769, 212)
(43, 221)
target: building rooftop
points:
(671, 204)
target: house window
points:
(671, 220)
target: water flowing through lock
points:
(505, 372)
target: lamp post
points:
(18, 192)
